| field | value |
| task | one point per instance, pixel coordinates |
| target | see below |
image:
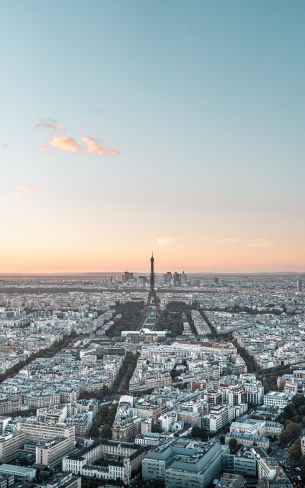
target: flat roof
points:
(13, 468)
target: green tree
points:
(297, 401)
(303, 469)
(233, 444)
(301, 410)
(201, 433)
(288, 434)
(295, 450)
(280, 384)
(289, 412)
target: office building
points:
(19, 472)
(184, 463)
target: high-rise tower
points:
(152, 296)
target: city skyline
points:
(131, 126)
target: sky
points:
(128, 126)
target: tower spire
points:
(152, 296)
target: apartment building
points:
(277, 399)
(37, 431)
(10, 444)
(51, 452)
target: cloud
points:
(95, 147)
(229, 241)
(22, 190)
(260, 242)
(220, 240)
(27, 189)
(65, 143)
(164, 241)
(50, 124)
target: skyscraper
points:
(167, 278)
(177, 279)
(127, 277)
(183, 278)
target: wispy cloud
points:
(95, 147)
(165, 241)
(70, 144)
(27, 189)
(50, 124)
(65, 143)
(260, 242)
(22, 190)
(229, 241)
(225, 240)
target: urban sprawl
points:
(152, 380)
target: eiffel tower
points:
(152, 296)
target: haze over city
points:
(133, 126)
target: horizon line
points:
(77, 273)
